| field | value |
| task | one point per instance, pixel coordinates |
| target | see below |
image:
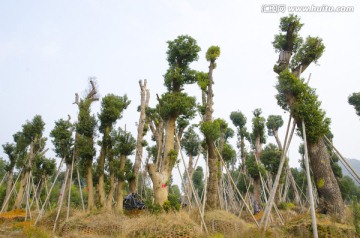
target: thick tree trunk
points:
(112, 187)
(90, 187)
(169, 161)
(257, 199)
(9, 186)
(24, 179)
(145, 97)
(41, 184)
(160, 182)
(121, 180)
(190, 170)
(330, 200)
(212, 200)
(100, 168)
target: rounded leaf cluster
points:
(182, 51)
(273, 123)
(354, 100)
(212, 129)
(111, 109)
(176, 104)
(212, 53)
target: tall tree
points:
(273, 123)
(257, 139)
(43, 168)
(84, 139)
(10, 151)
(210, 128)
(239, 121)
(30, 141)
(63, 146)
(145, 97)
(112, 107)
(301, 101)
(174, 103)
(354, 99)
(124, 145)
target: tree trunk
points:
(101, 167)
(145, 96)
(41, 184)
(121, 180)
(169, 161)
(160, 184)
(188, 186)
(112, 186)
(330, 200)
(9, 186)
(257, 200)
(24, 179)
(90, 187)
(212, 200)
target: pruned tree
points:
(239, 121)
(257, 139)
(354, 100)
(43, 168)
(173, 104)
(141, 131)
(84, 139)
(295, 96)
(112, 107)
(210, 128)
(10, 151)
(124, 145)
(30, 142)
(273, 123)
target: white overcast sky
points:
(48, 49)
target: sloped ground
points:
(181, 225)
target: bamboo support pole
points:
(61, 198)
(11, 191)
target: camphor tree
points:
(273, 123)
(30, 143)
(10, 151)
(44, 168)
(191, 145)
(257, 139)
(112, 107)
(173, 104)
(239, 121)
(301, 101)
(354, 99)
(124, 145)
(210, 128)
(84, 139)
(63, 145)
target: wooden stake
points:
(61, 198)
(11, 191)
(81, 194)
(70, 184)
(307, 167)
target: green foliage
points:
(348, 188)
(191, 142)
(176, 104)
(173, 154)
(270, 157)
(202, 79)
(309, 52)
(62, 139)
(43, 166)
(174, 202)
(212, 53)
(2, 168)
(212, 129)
(111, 108)
(34, 129)
(182, 51)
(354, 100)
(292, 25)
(273, 123)
(286, 205)
(123, 142)
(302, 102)
(228, 153)
(254, 169)
(258, 127)
(356, 213)
(86, 122)
(10, 151)
(198, 180)
(238, 119)
(243, 182)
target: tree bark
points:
(160, 186)
(9, 185)
(90, 187)
(24, 179)
(145, 97)
(330, 200)
(257, 199)
(112, 186)
(121, 180)
(101, 167)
